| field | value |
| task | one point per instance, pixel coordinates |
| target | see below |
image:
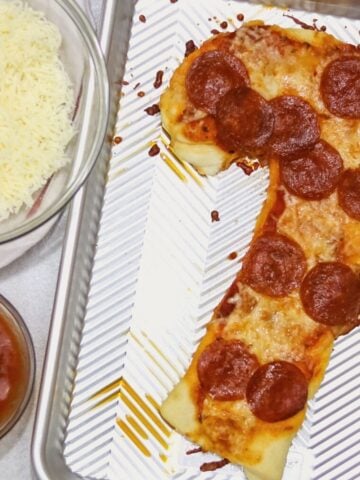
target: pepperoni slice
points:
(330, 294)
(296, 126)
(244, 121)
(211, 75)
(349, 192)
(277, 391)
(274, 266)
(224, 368)
(340, 87)
(313, 175)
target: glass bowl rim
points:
(84, 28)
(15, 318)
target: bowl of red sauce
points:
(17, 366)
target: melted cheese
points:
(275, 328)
(350, 246)
(36, 104)
(320, 239)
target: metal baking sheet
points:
(143, 267)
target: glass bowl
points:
(85, 65)
(17, 366)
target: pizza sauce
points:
(277, 209)
(13, 371)
(227, 305)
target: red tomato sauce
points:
(13, 371)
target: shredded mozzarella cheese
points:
(36, 105)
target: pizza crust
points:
(179, 409)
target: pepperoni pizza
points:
(290, 98)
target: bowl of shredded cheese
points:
(53, 109)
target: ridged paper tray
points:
(144, 265)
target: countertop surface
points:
(30, 283)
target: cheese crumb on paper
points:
(36, 105)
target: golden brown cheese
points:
(320, 239)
